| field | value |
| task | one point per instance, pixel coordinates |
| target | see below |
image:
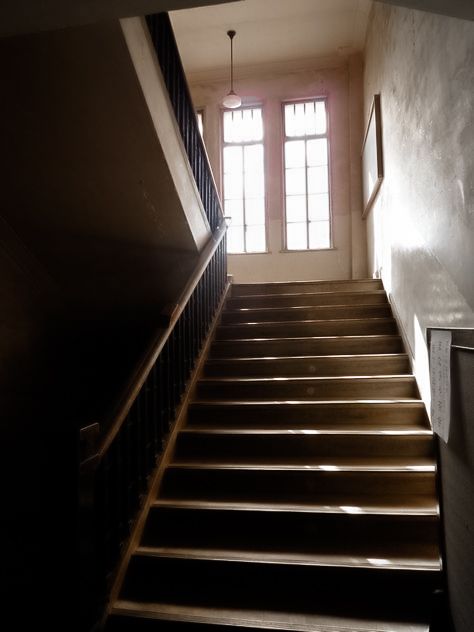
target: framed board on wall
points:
(372, 159)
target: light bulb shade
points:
(231, 100)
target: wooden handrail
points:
(145, 365)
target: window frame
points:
(285, 138)
(223, 144)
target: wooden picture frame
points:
(372, 159)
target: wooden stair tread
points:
(259, 619)
(409, 561)
(296, 308)
(283, 323)
(343, 379)
(341, 357)
(336, 464)
(306, 402)
(322, 282)
(408, 431)
(416, 506)
(309, 429)
(342, 338)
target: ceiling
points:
(269, 31)
(463, 9)
(29, 16)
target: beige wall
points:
(421, 229)
(339, 81)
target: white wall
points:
(421, 229)
(341, 82)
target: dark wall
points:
(93, 245)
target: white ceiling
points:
(269, 31)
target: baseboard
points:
(401, 329)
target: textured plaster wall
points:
(421, 229)
(342, 85)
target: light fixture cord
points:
(232, 64)
(231, 37)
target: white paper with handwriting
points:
(440, 376)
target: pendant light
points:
(231, 100)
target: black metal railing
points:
(116, 469)
(128, 459)
(173, 74)
(115, 478)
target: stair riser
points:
(286, 448)
(309, 328)
(283, 367)
(304, 415)
(314, 313)
(306, 346)
(322, 390)
(369, 285)
(290, 485)
(295, 300)
(303, 532)
(237, 584)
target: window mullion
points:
(243, 199)
(306, 192)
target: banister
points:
(149, 358)
(166, 49)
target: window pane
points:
(233, 186)
(253, 184)
(255, 238)
(227, 126)
(321, 122)
(294, 153)
(319, 235)
(296, 237)
(310, 118)
(295, 181)
(235, 210)
(318, 207)
(232, 159)
(235, 239)
(253, 158)
(229, 120)
(296, 208)
(233, 128)
(243, 125)
(289, 120)
(317, 152)
(254, 211)
(317, 180)
(252, 128)
(299, 119)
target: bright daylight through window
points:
(307, 206)
(244, 182)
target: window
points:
(306, 151)
(244, 182)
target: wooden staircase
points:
(301, 494)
